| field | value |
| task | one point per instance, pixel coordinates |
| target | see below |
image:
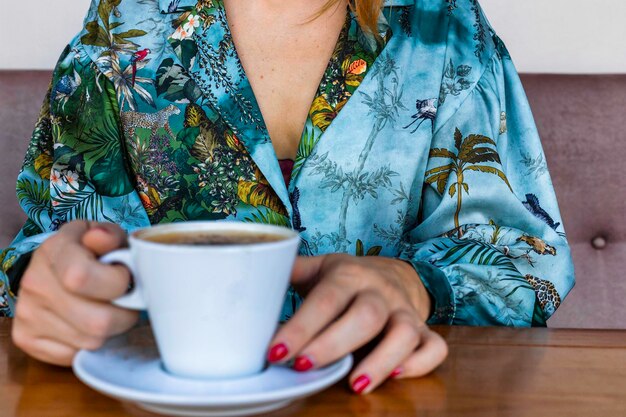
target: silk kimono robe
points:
(420, 145)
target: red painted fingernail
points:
(396, 372)
(277, 352)
(302, 364)
(361, 383)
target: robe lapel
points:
(344, 139)
(218, 73)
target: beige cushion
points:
(21, 96)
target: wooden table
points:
(490, 372)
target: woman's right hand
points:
(65, 295)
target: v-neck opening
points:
(345, 29)
(219, 74)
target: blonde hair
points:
(367, 12)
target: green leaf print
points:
(98, 140)
(101, 35)
(167, 72)
(482, 254)
(110, 177)
(81, 204)
(175, 83)
(188, 136)
(31, 228)
(268, 217)
(38, 197)
(96, 35)
(105, 7)
(133, 33)
(182, 160)
(186, 51)
(197, 210)
(479, 253)
(373, 251)
(191, 91)
(305, 149)
(539, 317)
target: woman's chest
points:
(284, 56)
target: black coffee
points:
(220, 237)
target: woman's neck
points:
(292, 11)
(284, 50)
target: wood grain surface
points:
(490, 372)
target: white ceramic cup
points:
(213, 309)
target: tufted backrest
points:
(21, 96)
(582, 121)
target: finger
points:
(363, 321)
(81, 274)
(56, 247)
(43, 349)
(325, 302)
(401, 339)
(306, 268)
(94, 318)
(53, 352)
(102, 238)
(431, 352)
(77, 275)
(43, 323)
(74, 230)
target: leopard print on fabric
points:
(549, 298)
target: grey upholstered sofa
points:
(582, 120)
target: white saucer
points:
(128, 368)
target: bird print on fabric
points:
(65, 88)
(538, 245)
(296, 222)
(137, 57)
(149, 195)
(173, 6)
(532, 205)
(426, 110)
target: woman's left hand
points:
(350, 301)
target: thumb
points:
(102, 238)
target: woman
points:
(411, 150)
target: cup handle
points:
(134, 299)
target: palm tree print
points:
(373, 251)
(384, 106)
(101, 33)
(467, 157)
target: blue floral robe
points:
(429, 152)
